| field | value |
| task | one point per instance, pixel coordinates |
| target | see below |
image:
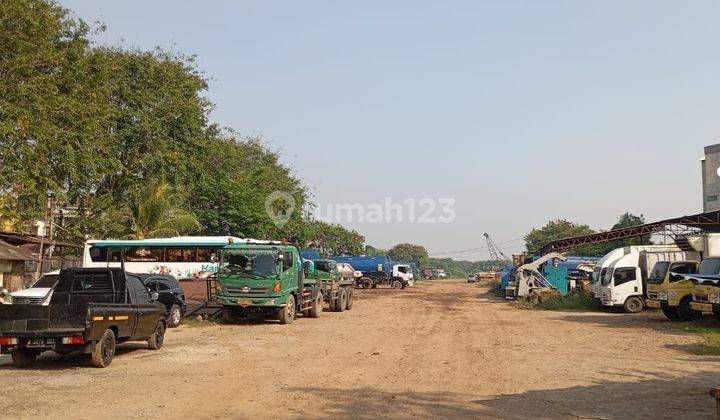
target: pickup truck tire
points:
(317, 307)
(104, 350)
(350, 293)
(396, 284)
(685, 312)
(156, 340)
(23, 358)
(341, 302)
(175, 317)
(286, 314)
(633, 305)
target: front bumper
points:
(705, 307)
(655, 303)
(245, 301)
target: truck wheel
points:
(341, 300)
(633, 305)
(230, 315)
(350, 293)
(670, 313)
(156, 340)
(104, 350)
(397, 284)
(317, 307)
(286, 315)
(367, 283)
(23, 358)
(685, 312)
(175, 317)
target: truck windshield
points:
(596, 275)
(606, 276)
(249, 263)
(658, 272)
(710, 266)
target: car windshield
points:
(48, 280)
(249, 263)
(657, 276)
(606, 275)
(710, 266)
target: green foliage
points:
(330, 239)
(577, 300)
(409, 253)
(371, 251)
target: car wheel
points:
(156, 340)
(175, 317)
(104, 351)
(23, 358)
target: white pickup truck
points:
(37, 294)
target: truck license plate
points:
(39, 342)
(244, 302)
(705, 307)
(654, 304)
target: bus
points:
(185, 257)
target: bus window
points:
(180, 255)
(144, 254)
(207, 254)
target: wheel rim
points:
(106, 350)
(289, 309)
(160, 333)
(176, 316)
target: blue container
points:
(310, 254)
(368, 264)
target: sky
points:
(519, 111)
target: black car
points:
(169, 293)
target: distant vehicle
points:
(380, 270)
(37, 294)
(91, 310)
(184, 257)
(337, 284)
(440, 274)
(472, 278)
(169, 293)
(428, 274)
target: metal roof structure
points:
(677, 227)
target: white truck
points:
(623, 275)
(37, 294)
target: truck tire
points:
(350, 293)
(104, 351)
(230, 315)
(23, 358)
(317, 307)
(633, 305)
(685, 312)
(341, 302)
(156, 340)
(670, 313)
(396, 284)
(175, 317)
(286, 314)
(367, 283)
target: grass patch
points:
(195, 322)
(710, 332)
(578, 300)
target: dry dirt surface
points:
(440, 349)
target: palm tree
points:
(154, 215)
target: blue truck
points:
(378, 271)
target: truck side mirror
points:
(154, 296)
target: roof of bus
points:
(178, 240)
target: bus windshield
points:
(244, 262)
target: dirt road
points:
(439, 349)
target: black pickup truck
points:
(91, 310)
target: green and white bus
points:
(185, 257)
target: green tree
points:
(624, 221)
(330, 239)
(410, 253)
(560, 229)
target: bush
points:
(575, 300)
(495, 288)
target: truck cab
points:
(265, 279)
(706, 287)
(405, 273)
(670, 291)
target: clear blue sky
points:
(522, 111)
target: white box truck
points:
(624, 275)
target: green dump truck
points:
(266, 280)
(336, 282)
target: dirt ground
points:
(440, 349)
